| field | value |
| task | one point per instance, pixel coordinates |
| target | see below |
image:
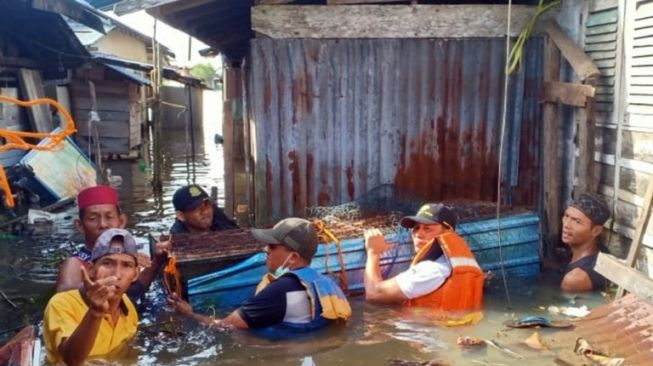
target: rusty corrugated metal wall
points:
(332, 119)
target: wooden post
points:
(551, 161)
(640, 230)
(157, 169)
(623, 275)
(587, 180)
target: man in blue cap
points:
(195, 213)
(582, 224)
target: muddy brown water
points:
(374, 336)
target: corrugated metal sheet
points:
(333, 119)
(622, 328)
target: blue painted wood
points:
(520, 239)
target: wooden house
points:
(298, 72)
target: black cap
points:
(296, 234)
(593, 207)
(429, 214)
(188, 197)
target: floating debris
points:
(574, 312)
(467, 341)
(585, 349)
(537, 321)
(503, 349)
(399, 362)
(535, 342)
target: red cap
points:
(98, 195)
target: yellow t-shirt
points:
(65, 312)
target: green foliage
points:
(206, 72)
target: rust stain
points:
(309, 179)
(268, 184)
(294, 169)
(323, 198)
(623, 328)
(350, 181)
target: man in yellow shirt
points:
(98, 318)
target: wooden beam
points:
(351, 2)
(627, 278)
(31, 86)
(567, 93)
(583, 65)
(131, 6)
(640, 230)
(587, 181)
(273, 2)
(552, 167)
(388, 21)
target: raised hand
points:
(375, 241)
(99, 292)
(179, 304)
(162, 247)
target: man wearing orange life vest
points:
(444, 274)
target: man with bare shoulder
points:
(99, 211)
(582, 224)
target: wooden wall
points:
(618, 35)
(117, 102)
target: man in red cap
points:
(99, 211)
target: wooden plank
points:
(641, 99)
(582, 64)
(644, 10)
(606, 46)
(114, 129)
(551, 171)
(601, 55)
(602, 18)
(641, 71)
(641, 90)
(273, 2)
(32, 88)
(600, 5)
(601, 38)
(586, 132)
(641, 80)
(567, 93)
(626, 277)
(388, 21)
(106, 103)
(602, 29)
(353, 2)
(645, 50)
(643, 61)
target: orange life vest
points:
(462, 292)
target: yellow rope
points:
(326, 236)
(16, 139)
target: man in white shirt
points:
(444, 274)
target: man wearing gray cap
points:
(443, 275)
(582, 224)
(292, 296)
(98, 318)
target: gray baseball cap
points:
(105, 245)
(296, 234)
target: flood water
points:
(374, 336)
